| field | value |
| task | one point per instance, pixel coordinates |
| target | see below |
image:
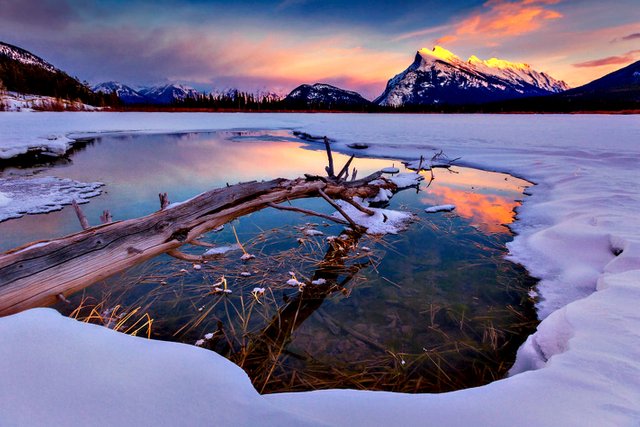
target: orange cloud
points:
(502, 18)
(446, 39)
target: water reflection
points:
(486, 199)
(136, 168)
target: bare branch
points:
(339, 209)
(363, 181)
(358, 206)
(307, 212)
(329, 168)
(201, 243)
(62, 298)
(164, 200)
(185, 257)
(345, 168)
(84, 223)
(106, 217)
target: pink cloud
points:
(610, 60)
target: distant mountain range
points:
(437, 80)
(170, 93)
(125, 93)
(158, 95)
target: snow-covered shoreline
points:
(570, 231)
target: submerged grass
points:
(358, 326)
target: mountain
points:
(438, 76)
(168, 93)
(25, 57)
(23, 72)
(622, 85)
(324, 97)
(619, 90)
(157, 95)
(126, 94)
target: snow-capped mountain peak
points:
(438, 76)
(168, 93)
(127, 94)
(322, 95)
(438, 54)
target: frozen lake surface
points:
(579, 232)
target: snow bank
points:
(4, 200)
(20, 196)
(59, 372)
(578, 231)
(13, 101)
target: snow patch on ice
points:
(406, 180)
(221, 250)
(21, 196)
(383, 221)
(390, 169)
(440, 208)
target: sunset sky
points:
(278, 45)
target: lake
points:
(434, 308)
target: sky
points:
(278, 45)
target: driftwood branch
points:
(84, 223)
(345, 168)
(164, 200)
(359, 206)
(308, 212)
(185, 257)
(339, 209)
(329, 168)
(201, 243)
(106, 217)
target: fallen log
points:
(39, 274)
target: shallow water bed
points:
(434, 308)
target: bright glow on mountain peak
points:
(502, 64)
(498, 63)
(438, 53)
(442, 54)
